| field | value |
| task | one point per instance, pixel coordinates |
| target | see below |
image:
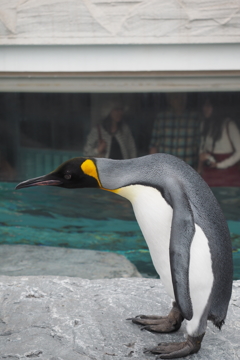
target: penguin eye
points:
(67, 176)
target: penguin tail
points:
(217, 322)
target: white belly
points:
(154, 217)
(200, 278)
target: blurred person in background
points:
(220, 147)
(176, 130)
(7, 171)
(111, 138)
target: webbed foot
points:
(177, 350)
(162, 324)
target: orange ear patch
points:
(89, 168)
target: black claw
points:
(155, 351)
(132, 318)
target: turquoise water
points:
(90, 219)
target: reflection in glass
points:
(38, 131)
(220, 146)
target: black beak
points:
(46, 180)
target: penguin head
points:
(74, 173)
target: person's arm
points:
(126, 142)
(92, 145)
(234, 136)
(202, 148)
(203, 154)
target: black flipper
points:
(182, 233)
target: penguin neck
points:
(130, 192)
(118, 174)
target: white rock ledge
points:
(66, 318)
(25, 260)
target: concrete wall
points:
(119, 21)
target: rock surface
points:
(66, 318)
(17, 260)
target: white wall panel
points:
(120, 58)
(119, 21)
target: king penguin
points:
(185, 231)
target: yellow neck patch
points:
(89, 168)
